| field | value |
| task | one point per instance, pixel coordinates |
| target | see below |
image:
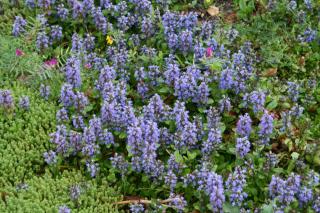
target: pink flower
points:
(51, 63)
(87, 66)
(209, 52)
(19, 52)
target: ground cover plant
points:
(160, 106)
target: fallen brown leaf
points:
(270, 72)
(213, 10)
(302, 61)
(231, 18)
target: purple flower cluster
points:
(213, 118)
(313, 179)
(225, 104)
(64, 209)
(214, 139)
(24, 103)
(136, 208)
(155, 110)
(30, 3)
(175, 166)
(235, 184)
(75, 192)
(305, 195)
(256, 99)
(244, 125)
(179, 29)
(92, 168)
(87, 6)
(189, 85)
(119, 163)
(272, 160)
(6, 99)
(143, 139)
(107, 74)
(100, 20)
(242, 146)
(62, 12)
(42, 41)
(285, 190)
(45, 91)
(186, 135)
(67, 95)
(50, 157)
(45, 4)
(56, 32)
(142, 6)
(296, 111)
(171, 179)
(77, 8)
(308, 4)
(241, 69)
(308, 36)
(212, 184)
(286, 122)
(147, 27)
(89, 43)
(316, 204)
(59, 138)
(172, 73)
(226, 79)
(62, 115)
(18, 26)
(266, 128)
(77, 43)
(293, 91)
(72, 71)
(178, 202)
(43, 21)
(292, 5)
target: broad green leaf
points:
(272, 105)
(228, 208)
(178, 157)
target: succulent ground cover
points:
(159, 106)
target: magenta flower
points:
(88, 66)
(209, 52)
(19, 52)
(51, 63)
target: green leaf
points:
(223, 127)
(145, 178)
(112, 177)
(272, 105)
(216, 66)
(191, 155)
(267, 208)
(122, 135)
(164, 90)
(210, 101)
(278, 170)
(228, 208)
(178, 157)
(291, 166)
(88, 108)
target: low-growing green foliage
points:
(24, 136)
(275, 33)
(47, 193)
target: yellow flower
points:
(109, 40)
